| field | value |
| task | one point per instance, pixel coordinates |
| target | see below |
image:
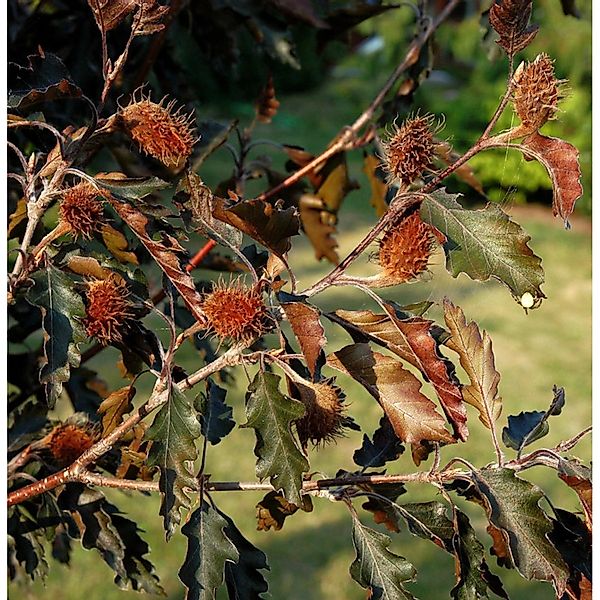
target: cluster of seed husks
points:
(160, 131)
(68, 441)
(81, 209)
(536, 92)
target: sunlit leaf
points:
(510, 19)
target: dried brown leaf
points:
(308, 330)
(412, 415)
(18, 216)
(411, 339)
(114, 407)
(151, 17)
(165, 253)
(318, 227)
(378, 186)
(477, 359)
(116, 243)
(89, 267)
(109, 13)
(267, 104)
(510, 19)
(561, 160)
(273, 510)
(576, 477)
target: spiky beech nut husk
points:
(67, 442)
(159, 130)
(409, 150)
(405, 249)
(81, 209)
(536, 92)
(108, 309)
(236, 312)
(324, 419)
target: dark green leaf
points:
(132, 188)
(208, 550)
(529, 426)
(45, 78)
(243, 578)
(271, 415)
(25, 550)
(473, 574)
(100, 526)
(382, 572)
(216, 417)
(512, 505)
(485, 243)
(429, 521)
(573, 540)
(382, 503)
(385, 446)
(62, 309)
(173, 434)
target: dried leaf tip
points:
(405, 249)
(236, 312)
(410, 149)
(536, 92)
(160, 131)
(324, 418)
(81, 209)
(108, 309)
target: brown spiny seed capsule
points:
(108, 308)
(160, 131)
(409, 150)
(237, 313)
(81, 209)
(536, 92)
(405, 249)
(69, 441)
(324, 418)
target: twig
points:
(348, 133)
(159, 396)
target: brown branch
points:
(159, 396)
(345, 137)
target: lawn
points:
(310, 557)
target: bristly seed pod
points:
(81, 210)
(108, 309)
(409, 150)
(324, 419)
(405, 249)
(236, 312)
(160, 131)
(67, 442)
(536, 92)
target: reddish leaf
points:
(165, 254)
(412, 415)
(270, 225)
(578, 478)
(510, 19)
(114, 407)
(561, 160)
(500, 548)
(307, 328)
(267, 105)
(109, 13)
(411, 339)
(273, 510)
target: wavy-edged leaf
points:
(45, 78)
(412, 415)
(305, 323)
(165, 253)
(114, 406)
(477, 359)
(529, 426)
(384, 447)
(262, 221)
(579, 478)
(412, 339)
(243, 578)
(377, 569)
(510, 19)
(485, 244)
(512, 505)
(26, 551)
(62, 311)
(274, 509)
(173, 433)
(215, 415)
(208, 550)
(100, 526)
(130, 188)
(561, 160)
(271, 415)
(384, 511)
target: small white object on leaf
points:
(527, 300)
